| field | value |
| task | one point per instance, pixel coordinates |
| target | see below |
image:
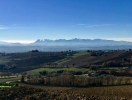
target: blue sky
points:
(29, 20)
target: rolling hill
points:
(85, 60)
(33, 60)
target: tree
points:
(73, 64)
(43, 73)
(60, 71)
(22, 79)
(93, 68)
(34, 51)
(78, 73)
(1, 66)
(93, 54)
(111, 64)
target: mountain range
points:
(63, 44)
(86, 42)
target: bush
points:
(111, 64)
(43, 73)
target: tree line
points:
(76, 80)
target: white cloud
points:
(120, 39)
(98, 25)
(93, 25)
(18, 41)
(2, 27)
(13, 26)
(82, 24)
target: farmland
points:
(33, 60)
(36, 71)
(102, 93)
(7, 84)
(71, 57)
(4, 59)
(68, 75)
(28, 60)
(94, 93)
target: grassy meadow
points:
(5, 77)
(71, 57)
(4, 59)
(36, 71)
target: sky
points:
(28, 20)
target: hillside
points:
(87, 59)
(63, 93)
(21, 62)
(29, 60)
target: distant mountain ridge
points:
(76, 41)
(88, 42)
(9, 44)
(63, 45)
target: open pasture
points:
(36, 71)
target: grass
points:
(3, 77)
(80, 54)
(7, 84)
(4, 59)
(71, 57)
(36, 71)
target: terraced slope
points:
(87, 59)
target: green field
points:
(80, 54)
(3, 77)
(71, 57)
(36, 71)
(7, 84)
(4, 59)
